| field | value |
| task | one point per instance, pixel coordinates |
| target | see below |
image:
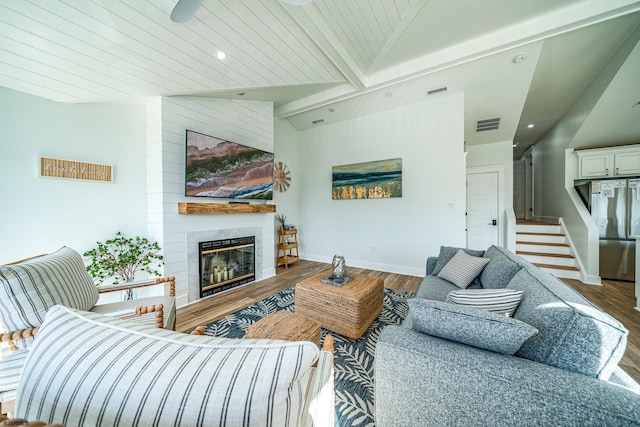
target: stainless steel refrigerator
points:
(615, 207)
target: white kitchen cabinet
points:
(596, 166)
(627, 163)
(609, 162)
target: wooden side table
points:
(285, 325)
(286, 247)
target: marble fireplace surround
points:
(193, 255)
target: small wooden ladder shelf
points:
(287, 248)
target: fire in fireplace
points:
(225, 264)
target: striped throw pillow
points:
(29, 289)
(463, 268)
(84, 370)
(499, 301)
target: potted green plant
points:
(121, 257)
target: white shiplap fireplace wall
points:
(245, 122)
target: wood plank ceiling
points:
(89, 50)
(302, 59)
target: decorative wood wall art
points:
(370, 180)
(69, 169)
(281, 177)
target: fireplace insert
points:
(225, 264)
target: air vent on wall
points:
(487, 124)
(435, 91)
(317, 122)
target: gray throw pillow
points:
(501, 269)
(470, 326)
(463, 268)
(448, 252)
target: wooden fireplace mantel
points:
(187, 208)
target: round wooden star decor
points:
(281, 177)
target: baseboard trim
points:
(183, 301)
(591, 280)
(269, 272)
(387, 268)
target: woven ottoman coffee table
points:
(348, 309)
(285, 325)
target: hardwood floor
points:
(616, 298)
(213, 308)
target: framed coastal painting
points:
(370, 180)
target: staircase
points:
(545, 246)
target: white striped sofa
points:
(30, 288)
(91, 370)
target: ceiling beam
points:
(558, 22)
(311, 23)
(397, 33)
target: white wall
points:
(287, 150)
(245, 122)
(39, 215)
(395, 234)
(496, 157)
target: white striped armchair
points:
(87, 369)
(29, 288)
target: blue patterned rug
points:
(353, 360)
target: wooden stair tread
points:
(539, 234)
(521, 242)
(529, 222)
(544, 254)
(557, 267)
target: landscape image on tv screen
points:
(224, 169)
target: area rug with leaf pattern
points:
(353, 360)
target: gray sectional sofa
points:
(456, 365)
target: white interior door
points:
(482, 210)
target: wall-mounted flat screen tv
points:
(224, 169)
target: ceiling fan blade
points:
(184, 10)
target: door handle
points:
(494, 222)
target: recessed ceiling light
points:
(221, 55)
(530, 125)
